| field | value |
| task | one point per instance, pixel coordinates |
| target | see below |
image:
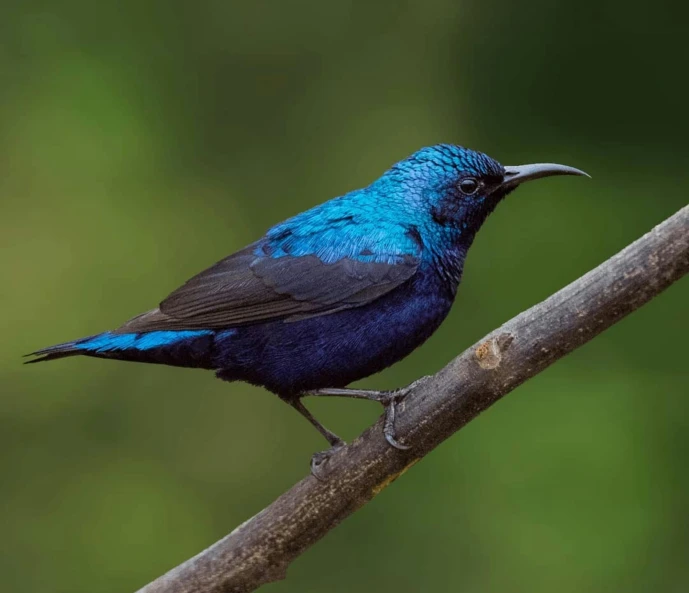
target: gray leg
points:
(331, 437)
(389, 399)
(336, 443)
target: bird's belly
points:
(333, 350)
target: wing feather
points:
(252, 286)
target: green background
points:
(142, 141)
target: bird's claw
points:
(319, 461)
(389, 424)
(390, 402)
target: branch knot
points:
(489, 353)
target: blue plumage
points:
(109, 342)
(333, 294)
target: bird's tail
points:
(63, 350)
(191, 348)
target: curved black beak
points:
(521, 173)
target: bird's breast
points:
(334, 350)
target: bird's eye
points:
(468, 186)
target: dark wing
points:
(251, 286)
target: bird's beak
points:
(521, 173)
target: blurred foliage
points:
(142, 141)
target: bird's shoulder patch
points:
(335, 232)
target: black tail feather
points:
(51, 355)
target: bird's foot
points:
(319, 461)
(390, 399)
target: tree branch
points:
(260, 550)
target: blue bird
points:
(332, 295)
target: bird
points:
(332, 295)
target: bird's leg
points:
(336, 442)
(389, 400)
(331, 437)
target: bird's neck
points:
(451, 251)
(448, 255)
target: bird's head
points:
(459, 187)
